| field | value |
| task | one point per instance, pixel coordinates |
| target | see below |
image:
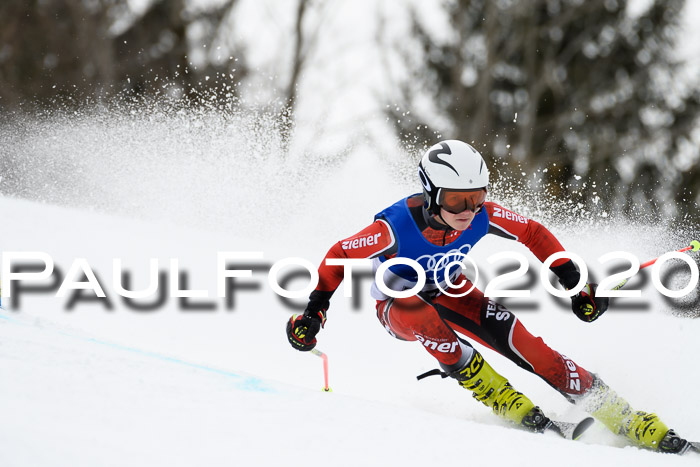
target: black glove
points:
(302, 329)
(587, 306)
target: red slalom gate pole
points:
(694, 246)
(323, 356)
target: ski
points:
(694, 446)
(572, 431)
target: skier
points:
(434, 228)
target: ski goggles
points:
(456, 201)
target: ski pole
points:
(694, 246)
(323, 356)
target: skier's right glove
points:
(586, 306)
(302, 329)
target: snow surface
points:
(92, 386)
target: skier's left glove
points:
(302, 329)
(586, 306)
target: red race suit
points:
(434, 318)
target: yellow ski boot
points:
(642, 428)
(494, 391)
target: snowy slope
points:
(73, 400)
(94, 386)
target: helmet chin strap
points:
(444, 221)
(432, 219)
(434, 212)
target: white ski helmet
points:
(451, 165)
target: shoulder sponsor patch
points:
(360, 242)
(508, 215)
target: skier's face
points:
(459, 221)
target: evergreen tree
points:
(97, 48)
(579, 88)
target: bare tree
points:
(304, 41)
